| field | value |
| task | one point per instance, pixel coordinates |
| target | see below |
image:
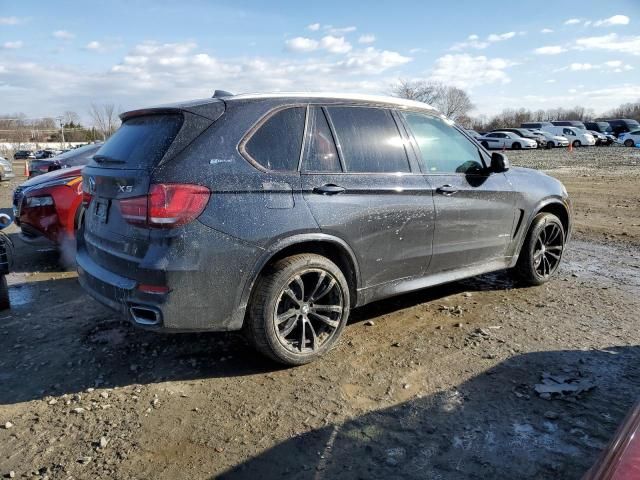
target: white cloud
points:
(546, 30)
(367, 38)
(473, 41)
(339, 30)
(94, 45)
(335, 44)
(467, 71)
(314, 27)
(329, 43)
(611, 42)
(11, 20)
(580, 67)
(63, 35)
(495, 37)
(615, 66)
(573, 21)
(12, 45)
(373, 61)
(301, 44)
(600, 100)
(551, 80)
(612, 21)
(550, 50)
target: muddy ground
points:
(437, 384)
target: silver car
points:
(6, 169)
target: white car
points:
(576, 136)
(630, 139)
(552, 140)
(506, 140)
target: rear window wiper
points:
(105, 158)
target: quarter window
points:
(276, 144)
(320, 150)
(443, 149)
(369, 139)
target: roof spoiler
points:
(221, 93)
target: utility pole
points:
(62, 131)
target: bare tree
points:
(70, 118)
(626, 110)
(419, 91)
(453, 102)
(104, 118)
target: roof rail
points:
(221, 93)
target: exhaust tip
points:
(146, 316)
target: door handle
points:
(446, 190)
(328, 189)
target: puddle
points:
(604, 263)
(112, 333)
(22, 294)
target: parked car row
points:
(561, 133)
(69, 158)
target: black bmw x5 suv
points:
(277, 213)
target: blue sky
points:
(64, 55)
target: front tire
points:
(550, 145)
(629, 143)
(485, 145)
(516, 146)
(299, 309)
(577, 143)
(542, 250)
(5, 302)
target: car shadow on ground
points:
(57, 340)
(491, 426)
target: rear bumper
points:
(203, 296)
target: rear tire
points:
(298, 310)
(542, 250)
(577, 143)
(5, 302)
(516, 146)
(629, 143)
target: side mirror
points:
(499, 162)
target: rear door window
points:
(444, 149)
(140, 142)
(369, 140)
(320, 154)
(277, 142)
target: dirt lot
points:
(438, 384)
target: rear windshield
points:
(140, 142)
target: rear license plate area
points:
(102, 210)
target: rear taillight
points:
(167, 205)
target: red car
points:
(621, 459)
(48, 206)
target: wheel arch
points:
(552, 205)
(558, 209)
(334, 248)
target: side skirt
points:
(405, 285)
